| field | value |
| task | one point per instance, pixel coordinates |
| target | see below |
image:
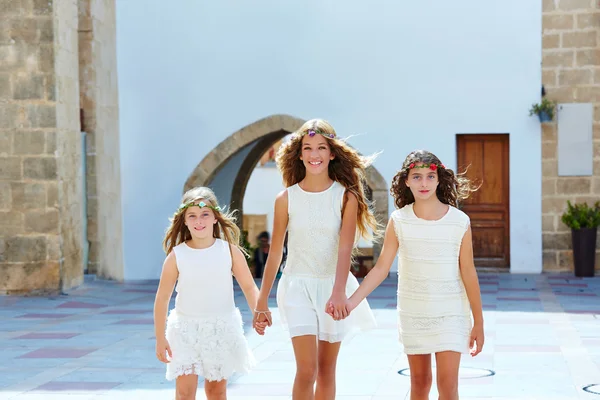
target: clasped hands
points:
(260, 321)
(338, 307)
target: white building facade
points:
(396, 76)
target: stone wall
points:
(570, 74)
(40, 156)
(99, 102)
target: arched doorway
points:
(228, 167)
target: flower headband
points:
(201, 204)
(431, 166)
(314, 131)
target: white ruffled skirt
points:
(213, 347)
(302, 299)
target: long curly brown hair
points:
(225, 228)
(452, 188)
(347, 167)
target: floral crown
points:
(431, 166)
(316, 131)
(200, 204)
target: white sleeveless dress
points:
(434, 311)
(307, 281)
(205, 329)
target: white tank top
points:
(314, 224)
(205, 283)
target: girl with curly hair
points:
(324, 209)
(438, 288)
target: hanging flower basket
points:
(544, 110)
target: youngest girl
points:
(204, 333)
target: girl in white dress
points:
(323, 209)
(438, 288)
(204, 334)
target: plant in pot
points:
(583, 221)
(544, 110)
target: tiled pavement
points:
(543, 342)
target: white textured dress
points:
(205, 329)
(314, 224)
(434, 311)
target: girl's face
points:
(316, 154)
(422, 182)
(200, 221)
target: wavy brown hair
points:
(451, 190)
(347, 167)
(225, 228)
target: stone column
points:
(99, 102)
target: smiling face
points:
(316, 154)
(200, 221)
(422, 182)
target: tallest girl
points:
(323, 209)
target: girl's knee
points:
(185, 387)
(185, 393)
(307, 373)
(215, 389)
(421, 379)
(447, 385)
(326, 371)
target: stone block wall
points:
(40, 156)
(570, 74)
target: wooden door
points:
(486, 158)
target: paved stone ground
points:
(543, 342)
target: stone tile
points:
(145, 321)
(80, 304)
(126, 312)
(58, 353)
(563, 284)
(527, 349)
(576, 294)
(53, 396)
(47, 335)
(45, 315)
(504, 298)
(76, 386)
(153, 291)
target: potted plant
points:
(544, 110)
(583, 221)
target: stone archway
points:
(242, 150)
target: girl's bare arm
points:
(168, 278)
(280, 221)
(381, 269)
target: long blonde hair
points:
(225, 228)
(348, 168)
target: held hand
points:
(350, 305)
(260, 327)
(337, 306)
(477, 339)
(163, 348)
(261, 319)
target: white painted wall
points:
(264, 184)
(402, 75)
